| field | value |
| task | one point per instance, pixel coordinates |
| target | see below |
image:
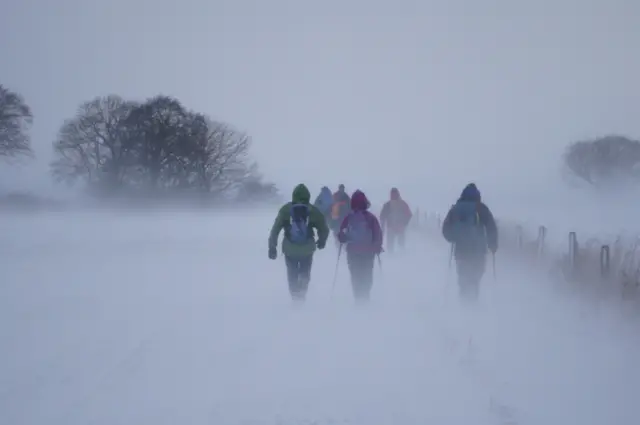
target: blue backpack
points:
(468, 231)
(299, 224)
(359, 229)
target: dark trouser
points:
(394, 236)
(298, 275)
(361, 270)
(470, 270)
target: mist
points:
(489, 92)
(181, 318)
(174, 314)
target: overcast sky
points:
(422, 95)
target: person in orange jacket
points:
(339, 210)
(394, 218)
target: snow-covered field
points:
(180, 318)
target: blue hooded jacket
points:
(470, 198)
(324, 201)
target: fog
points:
(177, 316)
(376, 93)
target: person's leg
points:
(476, 272)
(470, 271)
(304, 273)
(293, 277)
(361, 268)
(401, 238)
(391, 240)
(367, 266)
(462, 269)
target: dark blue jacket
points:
(472, 194)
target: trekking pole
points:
(493, 257)
(451, 256)
(380, 265)
(335, 273)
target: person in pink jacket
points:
(361, 232)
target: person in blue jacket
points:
(471, 228)
(324, 202)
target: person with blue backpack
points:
(298, 219)
(471, 229)
(361, 232)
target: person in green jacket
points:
(298, 218)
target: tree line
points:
(117, 146)
(158, 146)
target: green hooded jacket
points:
(317, 221)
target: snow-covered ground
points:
(180, 318)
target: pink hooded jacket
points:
(359, 202)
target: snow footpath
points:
(181, 319)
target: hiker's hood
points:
(301, 194)
(325, 190)
(470, 193)
(395, 194)
(359, 201)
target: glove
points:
(493, 249)
(342, 237)
(320, 244)
(273, 253)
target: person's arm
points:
(408, 213)
(489, 222)
(342, 237)
(447, 229)
(278, 225)
(377, 233)
(320, 224)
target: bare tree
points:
(605, 161)
(158, 125)
(15, 120)
(225, 162)
(94, 146)
(157, 146)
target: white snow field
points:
(180, 318)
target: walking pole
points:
(493, 256)
(335, 273)
(380, 265)
(448, 283)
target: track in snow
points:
(181, 318)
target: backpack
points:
(359, 229)
(468, 231)
(299, 223)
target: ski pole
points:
(335, 273)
